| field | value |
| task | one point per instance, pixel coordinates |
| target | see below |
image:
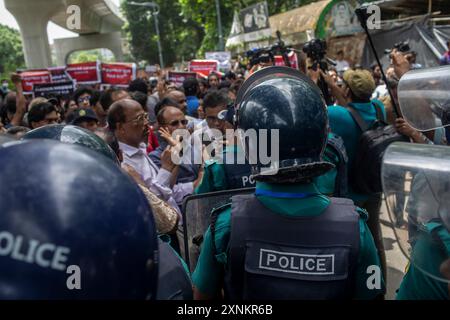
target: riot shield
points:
(424, 98)
(197, 217)
(416, 184)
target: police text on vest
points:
(296, 263)
(45, 255)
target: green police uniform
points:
(209, 272)
(215, 177)
(417, 285)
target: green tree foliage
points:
(204, 12)
(11, 51)
(180, 36)
(188, 27)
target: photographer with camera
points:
(317, 68)
(265, 57)
(259, 59)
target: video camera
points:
(316, 50)
(267, 55)
(257, 56)
(402, 47)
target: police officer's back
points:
(286, 241)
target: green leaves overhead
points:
(188, 27)
(11, 53)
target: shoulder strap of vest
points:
(357, 118)
(335, 143)
(214, 216)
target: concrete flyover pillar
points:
(32, 18)
(111, 41)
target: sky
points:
(53, 31)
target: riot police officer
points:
(425, 239)
(424, 171)
(228, 169)
(287, 240)
(72, 226)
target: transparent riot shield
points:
(197, 217)
(424, 98)
(416, 184)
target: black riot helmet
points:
(72, 226)
(73, 135)
(288, 104)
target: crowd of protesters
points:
(139, 122)
(144, 116)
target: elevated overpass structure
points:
(100, 25)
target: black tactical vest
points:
(173, 281)
(238, 176)
(291, 258)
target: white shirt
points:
(380, 91)
(341, 65)
(157, 180)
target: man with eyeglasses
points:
(171, 119)
(82, 97)
(129, 122)
(180, 99)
